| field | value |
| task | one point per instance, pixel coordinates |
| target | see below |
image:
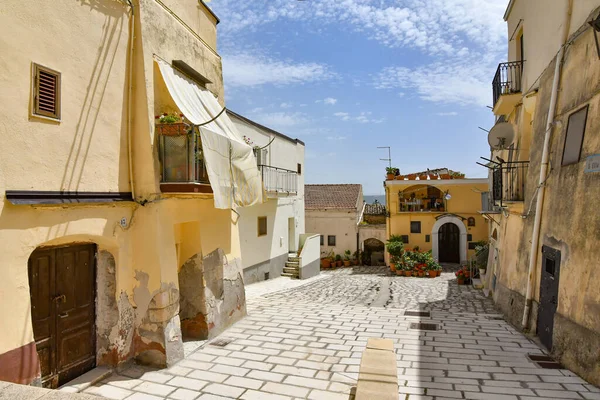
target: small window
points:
(404, 239)
(469, 238)
(415, 227)
(46, 92)
(471, 221)
(472, 245)
(427, 238)
(322, 240)
(262, 226)
(574, 137)
(331, 240)
(299, 169)
(550, 266)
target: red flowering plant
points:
(463, 273)
(169, 118)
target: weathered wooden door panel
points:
(41, 284)
(449, 243)
(72, 308)
(548, 294)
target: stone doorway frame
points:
(463, 236)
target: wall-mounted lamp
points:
(595, 23)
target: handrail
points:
(507, 79)
(276, 168)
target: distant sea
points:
(371, 198)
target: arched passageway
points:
(373, 252)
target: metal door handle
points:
(63, 315)
(60, 297)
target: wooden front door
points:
(449, 243)
(62, 283)
(548, 295)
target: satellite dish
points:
(501, 135)
(448, 196)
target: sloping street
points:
(304, 340)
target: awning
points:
(230, 162)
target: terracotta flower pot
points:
(392, 267)
(444, 176)
(421, 274)
(347, 263)
(407, 273)
(422, 177)
(399, 272)
(460, 281)
(325, 263)
(431, 274)
(339, 264)
(412, 177)
(390, 177)
(400, 177)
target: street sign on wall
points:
(592, 163)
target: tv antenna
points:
(389, 159)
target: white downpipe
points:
(535, 237)
(129, 100)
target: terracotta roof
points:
(320, 197)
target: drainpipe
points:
(535, 238)
(129, 97)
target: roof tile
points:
(342, 196)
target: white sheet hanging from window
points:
(230, 162)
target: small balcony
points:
(507, 87)
(487, 204)
(279, 181)
(421, 198)
(182, 162)
(508, 184)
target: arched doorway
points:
(440, 245)
(62, 282)
(373, 252)
(449, 243)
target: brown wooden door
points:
(62, 283)
(449, 243)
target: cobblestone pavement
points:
(305, 342)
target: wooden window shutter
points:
(46, 92)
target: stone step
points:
(293, 276)
(292, 264)
(290, 270)
(477, 284)
(294, 259)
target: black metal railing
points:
(508, 182)
(507, 79)
(278, 179)
(182, 158)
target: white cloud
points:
(280, 120)
(362, 118)
(328, 100)
(343, 115)
(336, 138)
(447, 114)
(250, 70)
(285, 105)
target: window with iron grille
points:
(415, 227)
(331, 240)
(472, 245)
(262, 226)
(574, 137)
(427, 238)
(405, 239)
(322, 240)
(46, 92)
(469, 237)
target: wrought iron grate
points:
(496, 318)
(544, 361)
(221, 342)
(424, 327)
(417, 313)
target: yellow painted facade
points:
(105, 141)
(464, 203)
(569, 223)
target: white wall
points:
(341, 223)
(282, 153)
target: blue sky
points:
(346, 76)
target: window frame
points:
(299, 169)
(407, 237)
(258, 226)
(322, 239)
(35, 110)
(417, 229)
(329, 240)
(562, 161)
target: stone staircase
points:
(292, 266)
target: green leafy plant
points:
(169, 118)
(395, 248)
(347, 255)
(338, 257)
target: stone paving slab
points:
(305, 340)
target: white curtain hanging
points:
(232, 170)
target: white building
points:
(333, 211)
(272, 232)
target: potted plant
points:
(444, 176)
(482, 250)
(423, 177)
(391, 173)
(338, 260)
(457, 175)
(356, 257)
(395, 249)
(347, 255)
(462, 275)
(325, 262)
(171, 124)
(412, 177)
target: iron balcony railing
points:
(508, 182)
(279, 180)
(182, 158)
(507, 79)
(375, 209)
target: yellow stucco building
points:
(119, 235)
(437, 213)
(544, 174)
